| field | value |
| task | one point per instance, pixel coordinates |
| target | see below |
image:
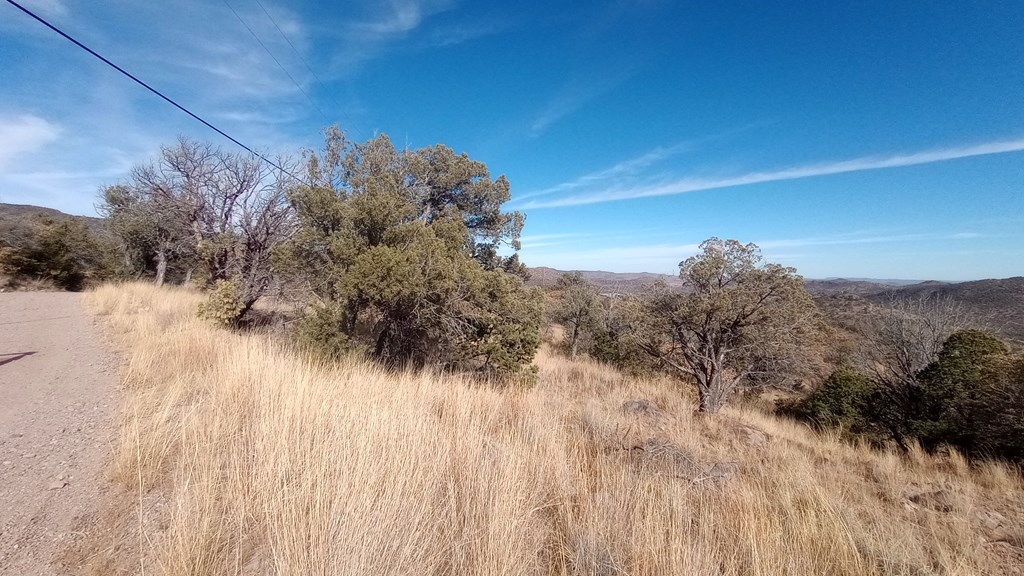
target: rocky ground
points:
(57, 402)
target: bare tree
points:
(228, 210)
(900, 341)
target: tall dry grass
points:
(239, 456)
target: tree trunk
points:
(161, 267)
(188, 277)
(574, 341)
(713, 394)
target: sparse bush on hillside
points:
(399, 250)
(223, 304)
(841, 401)
(999, 413)
(970, 397)
(899, 342)
(951, 389)
(320, 330)
(62, 251)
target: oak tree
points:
(736, 320)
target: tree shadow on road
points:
(7, 358)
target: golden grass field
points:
(238, 455)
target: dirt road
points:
(57, 401)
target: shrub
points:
(971, 398)
(956, 400)
(224, 305)
(320, 331)
(63, 252)
(841, 401)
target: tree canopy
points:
(736, 321)
(199, 207)
(579, 310)
(401, 253)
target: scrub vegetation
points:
(348, 372)
(239, 454)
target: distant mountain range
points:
(627, 282)
(995, 303)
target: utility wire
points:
(308, 67)
(151, 89)
(276, 61)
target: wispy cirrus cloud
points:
(638, 188)
(842, 239)
(661, 258)
(664, 257)
(371, 34)
(625, 169)
(579, 90)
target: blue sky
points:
(859, 139)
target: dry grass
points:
(239, 456)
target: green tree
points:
(953, 392)
(398, 252)
(998, 413)
(841, 401)
(154, 236)
(735, 319)
(578, 311)
(970, 397)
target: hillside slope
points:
(238, 455)
(15, 220)
(997, 304)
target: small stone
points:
(722, 472)
(991, 519)
(7, 462)
(642, 407)
(57, 485)
(752, 436)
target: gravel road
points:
(57, 402)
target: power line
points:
(276, 61)
(151, 89)
(308, 67)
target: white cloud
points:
(401, 17)
(624, 169)
(682, 185)
(863, 239)
(664, 257)
(369, 36)
(50, 8)
(24, 134)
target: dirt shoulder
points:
(57, 403)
